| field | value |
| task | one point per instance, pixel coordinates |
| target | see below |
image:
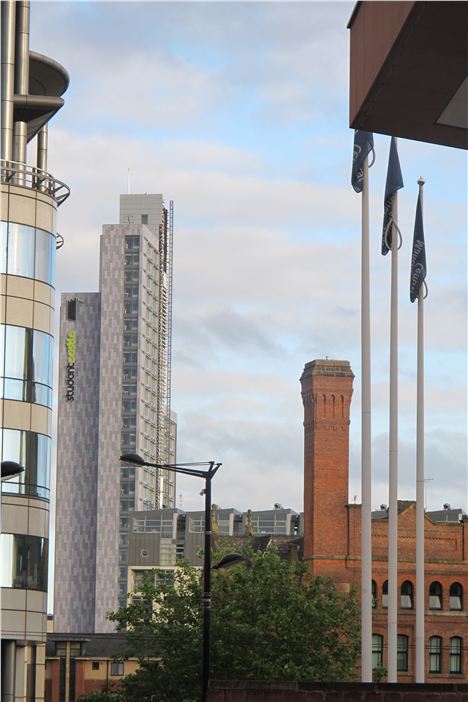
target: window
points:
(435, 596)
(75, 649)
(71, 309)
(456, 596)
(95, 665)
(374, 593)
(60, 648)
(385, 594)
(435, 649)
(402, 652)
(117, 668)
(24, 561)
(455, 654)
(132, 243)
(406, 597)
(30, 252)
(144, 219)
(26, 362)
(377, 650)
(32, 451)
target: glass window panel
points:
(456, 593)
(117, 668)
(75, 649)
(455, 654)
(402, 652)
(406, 598)
(435, 647)
(15, 390)
(3, 247)
(6, 560)
(385, 594)
(32, 451)
(377, 650)
(37, 563)
(60, 648)
(20, 253)
(42, 358)
(16, 352)
(45, 256)
(24, 561)
(374, 593)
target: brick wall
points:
(234, 691)
(332, 527)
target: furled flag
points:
(418, 256)
(394, 183)
(363, 144)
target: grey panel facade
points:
(77, 461)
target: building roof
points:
(93, 645)
(448, 515)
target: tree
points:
(270, 621)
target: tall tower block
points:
(327, 387)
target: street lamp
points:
(10, 469)
(207, 475)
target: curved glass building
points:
(31, 91)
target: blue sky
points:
(238, 112)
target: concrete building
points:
(335, 552)
(31, 90)
(161, 538)
(114, 398)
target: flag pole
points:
(366, 524)
(393, 456)
(420, 588)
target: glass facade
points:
(24, 561)
(32, 451)
(26, 365)
(27, 251)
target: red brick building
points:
(332, 537)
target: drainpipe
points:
(20, 128)
(8, 77)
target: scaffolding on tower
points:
(166, 238)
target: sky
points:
(238, 112)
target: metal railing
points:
(16, 173)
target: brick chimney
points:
(327, 387)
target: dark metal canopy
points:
(409, 70)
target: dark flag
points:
(363, 144)
(394, 183)
(418, 256)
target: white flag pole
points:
(366, 525)
(420, 588)
(393, 457)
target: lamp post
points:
(10, 469)
(207, 475)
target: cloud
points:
(237, 112)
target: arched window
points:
(402, 652)
(456, 596)
(374, 593)
(435, 650)
(385, 594)
(377, 650)
(406, 598)
(455, 654)
(435, 596)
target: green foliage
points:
(379, 673)
(270, 621)
(102, 696)
(273, 622)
